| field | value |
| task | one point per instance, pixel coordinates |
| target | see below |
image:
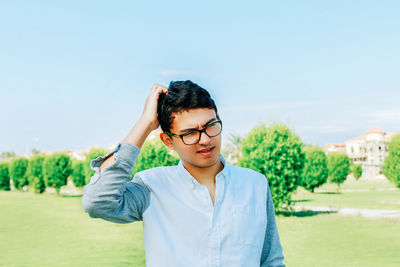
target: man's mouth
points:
(206, 150)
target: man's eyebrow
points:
(204, 125)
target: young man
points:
(202, 212)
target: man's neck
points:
(205, 175)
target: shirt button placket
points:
(215, 257)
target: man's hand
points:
(148, 121)
(143, 127)
(150, 108)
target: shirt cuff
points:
(124, 152)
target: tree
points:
(4, 176)
(78, 173)
(34, 174)
(277, 153)
(315, 171)
(154, 154)
(338, 167)
(38, 185)
(18, 172)
(57, 168)
(356, 169)
(94, 153)
(391, 166)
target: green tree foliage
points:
(356, 169)
(154, 154)
(4, 176)
(338, 167)
(78, 173)
(57, 168)
(277, 153)
(34, 173)
(315, 171)
(18, 172)
(94, 153)
(38, 185)
(391, 166)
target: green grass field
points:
(49, 230)
(370, 185)
(353, 194)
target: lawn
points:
(354, 194)
(334, 240)
(360, 185)
(49, 230)
(46, 230)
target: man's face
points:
(198, 155)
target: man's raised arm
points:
(110, 194)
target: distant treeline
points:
(274, 150)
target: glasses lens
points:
(191, 138)
(211, 130)
(214, 129)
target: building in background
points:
(329, 148)
(370, 150)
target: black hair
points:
(181, 96)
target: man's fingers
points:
(158, 87)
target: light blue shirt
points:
(181, 226)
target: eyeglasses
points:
(193, 137)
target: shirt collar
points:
(193, 182)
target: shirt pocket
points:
(249, 224)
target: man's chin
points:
(207, 163)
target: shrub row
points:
(43, 171)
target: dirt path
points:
(358, 190)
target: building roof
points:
(335, 145)
(361, 137)
(375, 129)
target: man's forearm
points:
(136, 137)
(139, 133)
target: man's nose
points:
(204, 139)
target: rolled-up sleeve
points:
(272, 255)
(110, 194)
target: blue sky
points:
(74, 74)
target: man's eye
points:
(212, 124)
(190, 133)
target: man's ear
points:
(166, 139)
